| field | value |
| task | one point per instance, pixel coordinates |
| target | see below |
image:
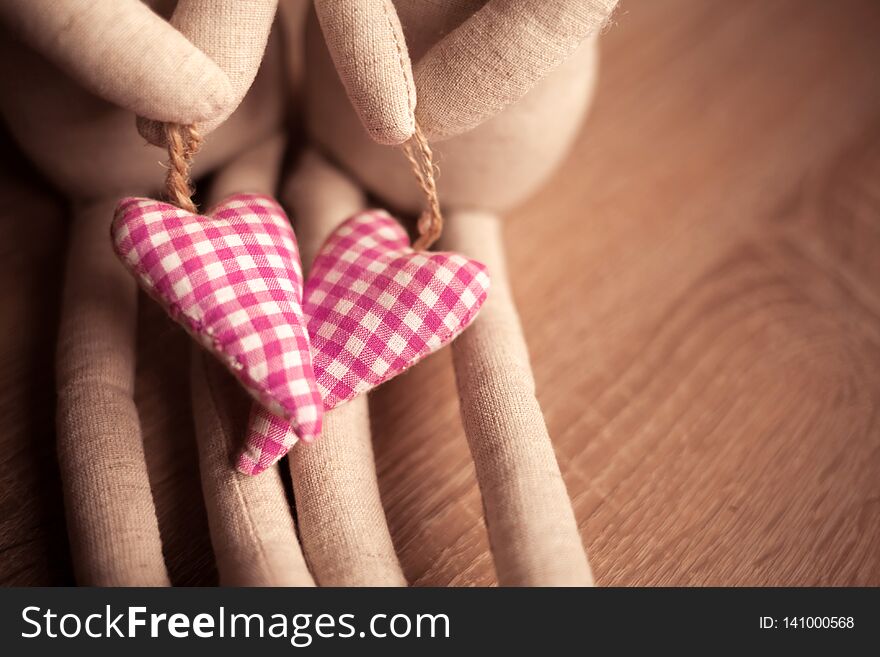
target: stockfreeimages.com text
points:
(299, 629)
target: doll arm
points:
(366, 43)
(251, 524)
(497, 55)
(233, 34)
(531, 524)
(125, 53)
(341, 521)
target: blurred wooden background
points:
(700, 287)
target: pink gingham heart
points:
(374, 307)
(232, 278)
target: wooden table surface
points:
(700, 288)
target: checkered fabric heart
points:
(233, 280)
(374, 307)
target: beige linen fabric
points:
(251, 524)
(89, 148)
(367, 45)
(233, 34)
(506, 84)
(532, 528)
(342, 524)
(496, 56)
(123, 52)
(494, 167)
(114, 535)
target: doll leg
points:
(341, 521)
(114, 534)
(532, 529)
(250, 520)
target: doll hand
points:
(125, 53)
(233, 35)
(366, 43)
(486, 63)
(494, 58)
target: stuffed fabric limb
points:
(233, 34)
(114, 534)
(125, 53)
(342, 524)
(382, 93)
(496, 56)
(250, 520)
(532, 528)
(251, 524)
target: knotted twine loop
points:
(430, 224)
(183, 142)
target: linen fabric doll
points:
(74, 73)
(89, 67)
(72, 80)
(251, 526)
(501, 88)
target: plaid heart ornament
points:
(233, 279)
(374, 308)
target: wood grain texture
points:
(700, 288)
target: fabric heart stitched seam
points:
(233, 279)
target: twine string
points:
(430, 224)
(183, 142)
